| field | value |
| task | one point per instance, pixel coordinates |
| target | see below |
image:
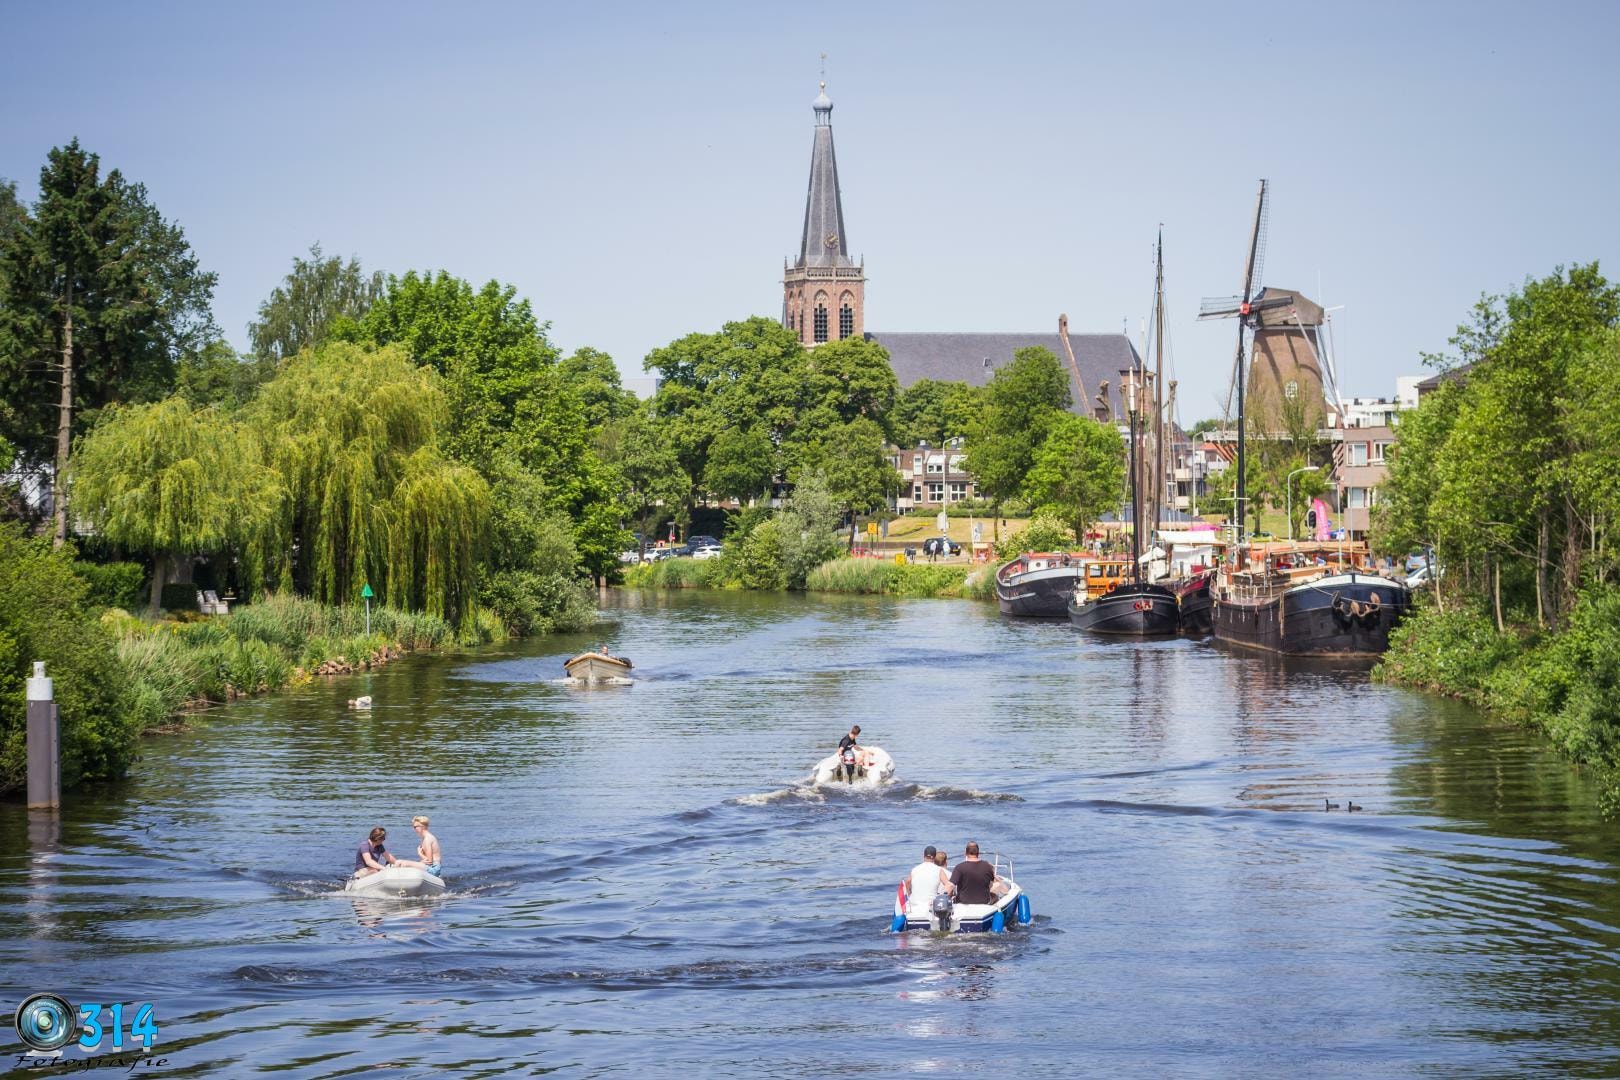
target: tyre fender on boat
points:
(998, 922)
(1021, 910)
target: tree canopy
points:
(138, 298)
(1078, 471)
(1022, 402)
(314, 296)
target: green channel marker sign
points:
(365, 591)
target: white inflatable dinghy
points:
(396, 881)
(874, 767)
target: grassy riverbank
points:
(1565, 683)
(842, 575)
(275, 643)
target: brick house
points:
(931, 477)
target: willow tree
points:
(353, 432)
(173, 481)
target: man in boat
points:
(926, 881)
(428, 856)
(974, 878)
(371, 856)
(849, 753)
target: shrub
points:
(759, 558)
(114, 584)
(1044, 533)
(529, 602)
(1452, 652)
(179, 596)
(44, 616)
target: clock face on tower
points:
(831, 240)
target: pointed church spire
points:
(823, 243)
(824, 292)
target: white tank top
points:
(924, 884)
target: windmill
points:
(1248, 308)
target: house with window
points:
(1359, 471)
(931, 477)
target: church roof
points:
(823, 242)
(974, 358)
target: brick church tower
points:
(823, 290)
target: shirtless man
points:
(428, 856)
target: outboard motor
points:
(943, 911)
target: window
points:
(1378, 449)
(1094, 570)
(1358, 453)
(846, 321)
(1357, 498)
(916, 493)
(936, 464)
(936, 492)
(916, 463)
(821, 323)
(1291, 389)
(955, 463)
(958, 490)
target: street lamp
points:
(1288, 493)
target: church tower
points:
(823, 291)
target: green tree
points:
(1023, 401)
(740, 463)
(506, 394)
(217, 374)
(353, 432)
(750, 374)
(655, 485)
(314, 296)
(851, 462)
(1078, 471)
(933, 411)
(44, 616)
(171, 482)
(96, 248)
(594, 378)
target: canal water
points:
(640, 880)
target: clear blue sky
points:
(638, 170)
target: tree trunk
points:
(1496, 594)
(1542, 542)
(160, 567)
(1434, 578)
(64, 424)
(1574, 550)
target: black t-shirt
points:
(846, 743)
(972, 881)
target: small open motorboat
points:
(872, 767)
(600, 666)
(396, 881)
(1011, 908)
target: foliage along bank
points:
(1507, 473)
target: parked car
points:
(631, 557)
(695, 542)
(707, 551)
(1423, 576)
(941, 545)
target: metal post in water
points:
(44, 746)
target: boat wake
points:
(817, 794)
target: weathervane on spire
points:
(824, 71)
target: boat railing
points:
(1001, 864)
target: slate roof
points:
(823, 207)
(961, 357)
